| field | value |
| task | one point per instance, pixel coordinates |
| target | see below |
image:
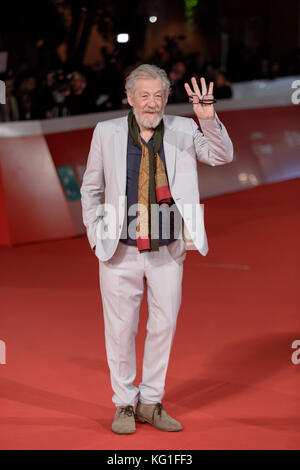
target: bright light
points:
(152, 19)
(123, 37)
(253, 179)
(243, 177)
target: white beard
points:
(147, 124)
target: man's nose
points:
(152, 103)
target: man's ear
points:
(129, 98)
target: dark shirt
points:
(80, 104)
(134, 156)
(222, 92)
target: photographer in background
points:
(28, 95)
(10, 110)
(79, 100)
(59, 86)
(222, 86)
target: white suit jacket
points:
(103, 187)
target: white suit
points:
(123, 267)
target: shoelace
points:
(128, 410)
(158, 407)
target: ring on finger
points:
(195, 99)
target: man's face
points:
(50, 79)
(78, 84)
(148, 101)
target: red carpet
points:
(230, 380)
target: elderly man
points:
(145, 165)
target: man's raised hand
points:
(202, 101)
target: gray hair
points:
(147, 71)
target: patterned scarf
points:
(153, 186)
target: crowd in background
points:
(56, 92)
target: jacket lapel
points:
(170, 137)
(120, 154)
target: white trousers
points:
(122, 285)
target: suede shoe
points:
(124, 422)
(156, 415)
